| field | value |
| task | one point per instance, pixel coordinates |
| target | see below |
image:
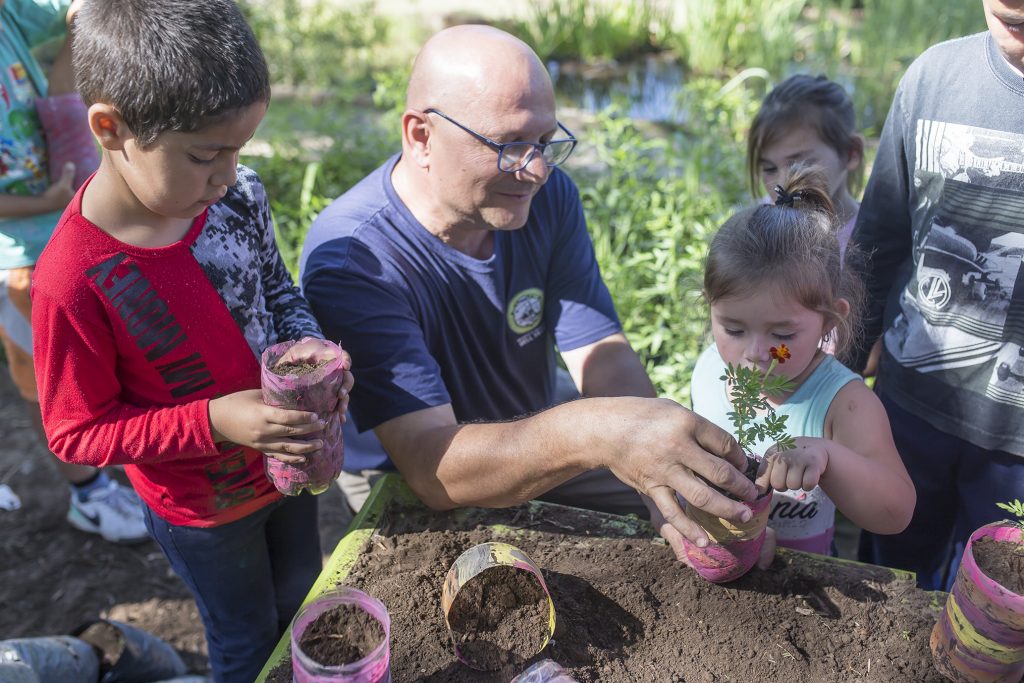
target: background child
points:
(29, 209)
(774, 278)
(808, 120)
(947, 188)
(155, 297)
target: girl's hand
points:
(244, 418)
(796, 468)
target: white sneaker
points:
(114, 512)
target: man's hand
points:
(796, 468)
(675, 539)
(244, 418)
(672, 450)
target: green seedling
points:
(749, 389)
(1015, 508)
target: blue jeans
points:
(958, 485)
(248, 578)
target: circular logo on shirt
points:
(525, 310)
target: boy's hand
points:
(796, 468)
(302, 351)
(58, 195)
(244, 418)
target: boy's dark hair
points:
(167, 65)
(791, 248)
(812, 101)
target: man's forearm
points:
(496, 464)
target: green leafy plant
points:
(749, 389)
(1015, 508)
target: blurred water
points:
(646, 89)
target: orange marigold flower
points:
(780, 354)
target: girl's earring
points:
(827, 337)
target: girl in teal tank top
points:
(777, 289)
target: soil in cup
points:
(1002, 561)
(298, 368)
(341, 635)
(500, 618)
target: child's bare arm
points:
(54, 198)
(865, 476)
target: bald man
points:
(453, 271)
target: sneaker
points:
(112, 511)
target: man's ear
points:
(108, 127)
(416, 136)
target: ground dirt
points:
(627, 611)
(54, 578)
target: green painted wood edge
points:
(390, 487)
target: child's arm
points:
(54, 198)
(292, 315)
(89, 420)
(858, 467)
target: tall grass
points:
(593, 29)
(317, 43)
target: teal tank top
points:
(803, 520)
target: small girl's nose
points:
(758, 351)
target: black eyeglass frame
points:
(500, 147)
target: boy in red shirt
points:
(152, 302)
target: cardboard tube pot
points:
(979, 637)
(315, 374)
(375, 667)
(473, 563)
(734, 547)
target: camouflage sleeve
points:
(292, 316)
(239, 255)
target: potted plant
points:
(979, 637)
(735, 547)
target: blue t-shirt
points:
(23, 169)
(428, 325)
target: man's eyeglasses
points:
(515, 156)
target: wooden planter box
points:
(626, 610)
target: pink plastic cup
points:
(373, 668)
(315, 391)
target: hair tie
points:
(785, 198)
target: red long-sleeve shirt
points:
(132, 343)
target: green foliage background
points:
(653, 194)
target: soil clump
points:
(341, 635)
(297, 368)
(1001, 561)
(499, 618)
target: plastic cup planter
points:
(314, 390)
(373, 668)
(979, 637)
(734, 548)
(474, 562)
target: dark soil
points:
(1002, 561)
(626, 610)
(341, 635)
(298, 368)
(499, 618)
(54, 578)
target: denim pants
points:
(958, 485)
(248, 578)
